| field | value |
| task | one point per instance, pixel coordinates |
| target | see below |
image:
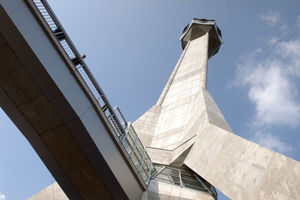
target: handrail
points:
(183, 178)
(121, 129)
(134, 150)
(73, 54)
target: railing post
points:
(181, 184)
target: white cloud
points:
(270, 89)
(270, 76)
(274, 19)
(2, 196)
(290, 52)
(271, 92)
(272, 142)
(271, 18)
(274, 40)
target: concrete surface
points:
(164, 191)
(52, 192)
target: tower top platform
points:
(197, 28)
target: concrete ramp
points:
(47, 91)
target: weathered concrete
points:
(186, 127)
(242, 169)
(52, 192)
(164, 191)
(176, 108)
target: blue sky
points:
(132, 47)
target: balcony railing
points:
(183, 178)
(138, 154)
(124, 131)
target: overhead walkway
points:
(49, 93)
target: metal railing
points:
(138, 154)
(123, 130)
(72, 53)
(183, 178)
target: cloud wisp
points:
(2, 196)
(270, 75)
(272, 18)
(271, 90)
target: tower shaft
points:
(192, 63)
(178, 97)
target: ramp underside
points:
(52, 109)
(36, 116)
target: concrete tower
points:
(185, 129)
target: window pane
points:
(135, 160)
(127, 145)
(186, 177)
(144, 174)
(139, 147)
(131, 133)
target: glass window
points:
(144, 174)
(138, 154)
(127, 145)
(135, 160)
